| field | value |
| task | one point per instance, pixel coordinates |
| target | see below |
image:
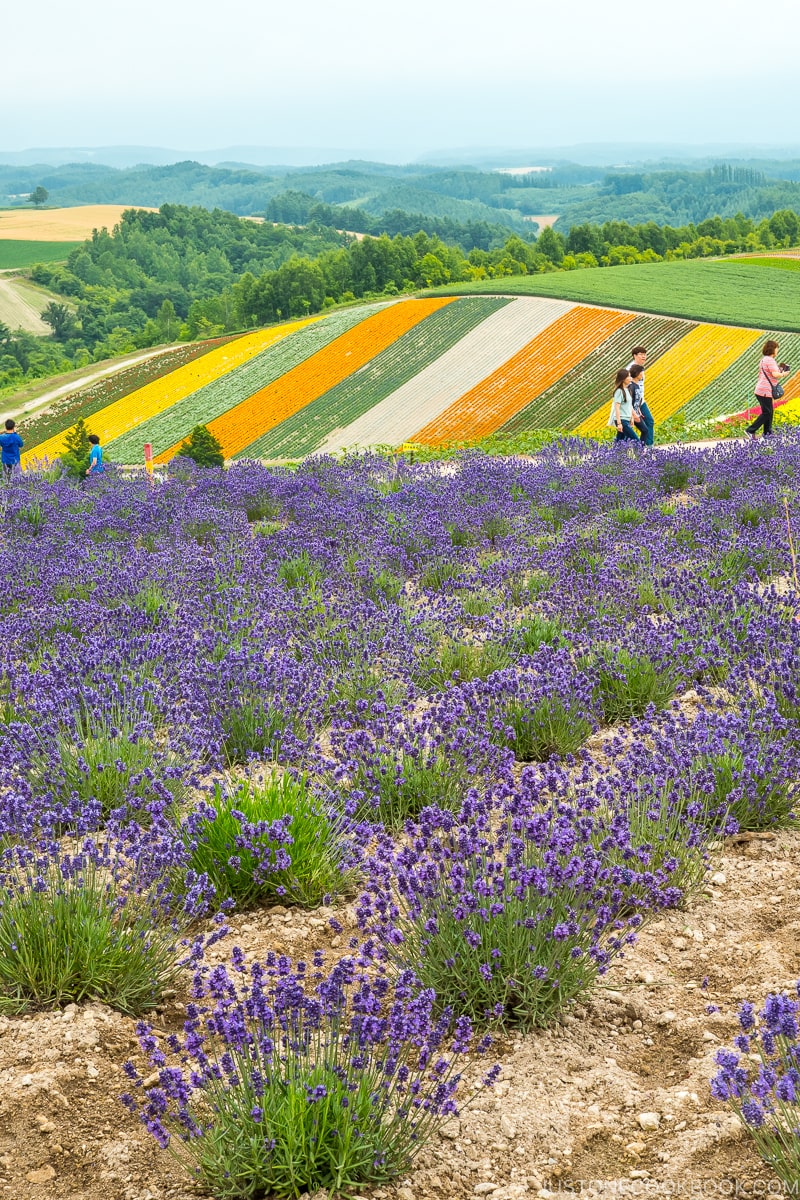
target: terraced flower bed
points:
(85, 402)
(487, 406)
(575, 395)
(132, 410)
(241, 425)
(692, 363)
(451, 806)
(304, 432)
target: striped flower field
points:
(431, 371)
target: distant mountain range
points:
(158, 156)
(277, 157)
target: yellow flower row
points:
(254, 416)
(684, 370)
(153, 398)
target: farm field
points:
(84, 399)
(784, 262)
(50, 225)
(384, 719)
(299, 340)
(436, 371)
(729, 291)
(17, 253)
(162, 392)
(21, 306)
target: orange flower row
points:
(245, 422)
(540, 363)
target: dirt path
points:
(17, 309)
(75, 385)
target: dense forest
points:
(187, 273)
(675, 194)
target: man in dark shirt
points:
(10, 445)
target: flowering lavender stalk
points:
(761, 1083)
(288, 1080)
(509, 911)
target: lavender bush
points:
(288, 1080)
(79, 926)
(761, 1082)
(510, 912)
(269, 840)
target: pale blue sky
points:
(396, 80)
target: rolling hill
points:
(432, 370)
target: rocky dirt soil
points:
(613, 1102)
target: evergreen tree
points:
(75, 459)
(203, 448)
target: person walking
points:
(769, 374)
(10, 445)
(646, 424)
(95, 456)
(621, 414)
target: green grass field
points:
(782, 264)
(730, 292)
(15, 254)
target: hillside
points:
(21, 305)
(577, 190)
(731, 291)
(432, 371)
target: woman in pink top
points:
(768, 373)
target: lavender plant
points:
(510, 913)
(287, 1080)
(268, 841)
(761, 1082)
(80, 926)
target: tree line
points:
(186, 273)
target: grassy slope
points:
(782, 264)
(729, 292)
(14, 255)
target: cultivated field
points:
(731, 291)
(21, 306)
(16, 255)
(59, 224)
(433, 371)
(496, 747)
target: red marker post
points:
(148, 460)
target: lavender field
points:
(405, 830)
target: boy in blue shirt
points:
(95, 456)
(10, 445)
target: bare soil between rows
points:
(564, 1118)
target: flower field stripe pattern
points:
(573, 397)
(683, 371)
(791, 391)
(357, 394)
(133, 410)
(489, 404)
(435, 389)
(733, 391)
(88, 399)
(241, 425)
(301, 341)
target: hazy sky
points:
(397, 79)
